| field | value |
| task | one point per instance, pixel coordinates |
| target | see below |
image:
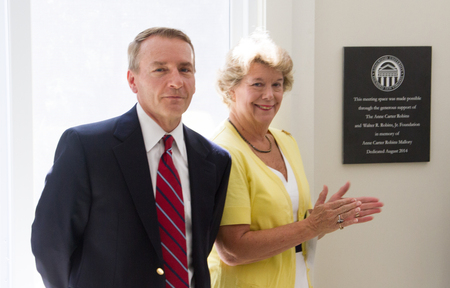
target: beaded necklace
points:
(262, 151)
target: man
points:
(100, 221)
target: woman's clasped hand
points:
(325, 216)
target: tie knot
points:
(168, 140)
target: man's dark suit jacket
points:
(96, 223)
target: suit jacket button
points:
(160, 271)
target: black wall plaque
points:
(387, 99)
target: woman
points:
(268, 212)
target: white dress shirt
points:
(154, 145)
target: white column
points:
(5, 262)
(245, 17)
(20, 143)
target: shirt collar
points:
(152, 132)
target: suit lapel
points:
(202, 184)
(132, 158)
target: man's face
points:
(164, 82)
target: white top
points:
(301, 280)
(154, 145)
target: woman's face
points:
(258, 97)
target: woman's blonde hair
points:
(257, 48)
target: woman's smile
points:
(265, 107)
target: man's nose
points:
(175, 81)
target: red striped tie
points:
(170, 204)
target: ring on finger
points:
(340, 220)
(340, 226)
(357, 215)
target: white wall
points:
(406, 245)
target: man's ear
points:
(132, 81)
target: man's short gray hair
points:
(134, 47)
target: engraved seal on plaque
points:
(388, 73)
